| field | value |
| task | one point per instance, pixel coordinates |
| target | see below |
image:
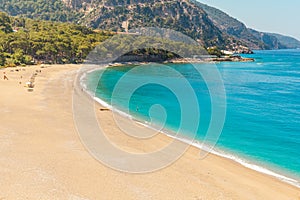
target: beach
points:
(42, 156)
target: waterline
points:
(197, 144)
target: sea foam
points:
(195, 143)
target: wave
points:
(257, 168)
(195, 143)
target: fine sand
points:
(42, 156)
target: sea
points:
(261, 127)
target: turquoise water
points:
(263, 104)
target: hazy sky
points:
(282, 16)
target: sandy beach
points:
(42, 156)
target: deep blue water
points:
(263, 104)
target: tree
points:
(18, 56)
(2, 57)
(5, 24)
(214, 51)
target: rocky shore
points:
(235, 58)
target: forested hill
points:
(53, 10)
(26, 41)
(121, 15)
(208, 25)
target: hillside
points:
(121, 15)
(25, 41)
(232, 26)
(270, 41)
(254, 39)
(52, 10)
(286, 41)
(207, 25)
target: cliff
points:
(252, 38)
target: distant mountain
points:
(286, 41)
(254, 39)
(232, 26)
(270, 41)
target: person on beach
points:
(4, 76)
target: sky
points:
(282, 16)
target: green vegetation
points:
(111, 14)
(207, 25)
(44, 42)
(27, 41)
(5, 24)
(144, 48)
(164, 14)
(215, 51)
(53, 10)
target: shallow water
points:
(262, 124)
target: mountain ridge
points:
(207, 25)
(253, 38)
(119, 16)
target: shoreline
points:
(42, 156)
(186, 61)
(195, 143)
